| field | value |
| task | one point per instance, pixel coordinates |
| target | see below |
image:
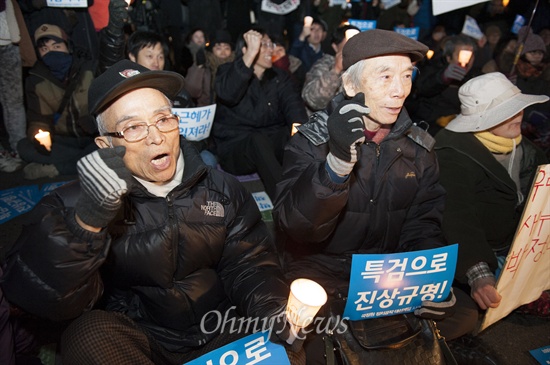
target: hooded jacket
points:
(165, 262)
(482, 208)
(391, 202)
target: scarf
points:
(497, 144)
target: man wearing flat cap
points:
(359, 177)
(150, 247)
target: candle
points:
(464, 57)
(350, 33)
(305, 299)
(429, 54)
(44, 138)
(294, 128)
(307, 21)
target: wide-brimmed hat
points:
(379, 42)
(488, 100)
(50, 31)
(125, 76)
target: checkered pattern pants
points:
(100, 337)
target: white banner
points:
(526, 272)
(196, 123)
(281, 9)
(445, 6)
(67, 3)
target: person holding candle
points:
(150, 249)
(360, 177)
(434, 99)
(56, 94)
(308, 46)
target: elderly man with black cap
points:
(360, 177)
(487, 169)
(150, 249)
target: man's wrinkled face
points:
(510, 128)
(153, 158)
(386, 82)
(151, 57)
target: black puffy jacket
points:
(391, 202)
(168, 262)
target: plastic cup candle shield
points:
(307, 21)
(429, 54)
(464, 57)
(44, 138)
(350, 33)
(305, 299)
(294, 128)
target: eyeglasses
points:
(136, 131)
(268, 45)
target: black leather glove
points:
(118, 15)
(454, 72)
(104, 179)
(200, 57)
(437, 311)
(346, 130)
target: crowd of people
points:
(400, 145)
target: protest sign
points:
(362, 24)
(408, 32)
(526, 271)
(389, 284)
(281, 9)
(445, 6)
(471, 28)
(263, 201)
(196, 123)
(542, 355)
(519, 22)
(67, 3)
(253, 349)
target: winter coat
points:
(44, 94)
(482, 208)
(391, 202)
(247, 104)
(164, 262)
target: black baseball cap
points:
(125, 76)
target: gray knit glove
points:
(104, 179)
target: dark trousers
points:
(65, 153)
(462, 322)
(257, 152)
(101, 337)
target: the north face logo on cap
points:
(129, 73)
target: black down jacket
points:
(166, 264)
(391, 202)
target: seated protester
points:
(435, 96)
(195, 41)
(56, 93)
(148, 49)
(287, 62)
(344, 190)
(139, 253)
(256, 106)
(487, 169)
(199, 81)
(308, 46)
(323, 80)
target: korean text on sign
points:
(253, 349)
(196, 123)
(388, 284)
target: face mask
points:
(59, 63)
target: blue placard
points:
(388, 284)
(363, 24)
(196, 123)
(408, 32)
(542, 355)
(519, 22)
(253, 349)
